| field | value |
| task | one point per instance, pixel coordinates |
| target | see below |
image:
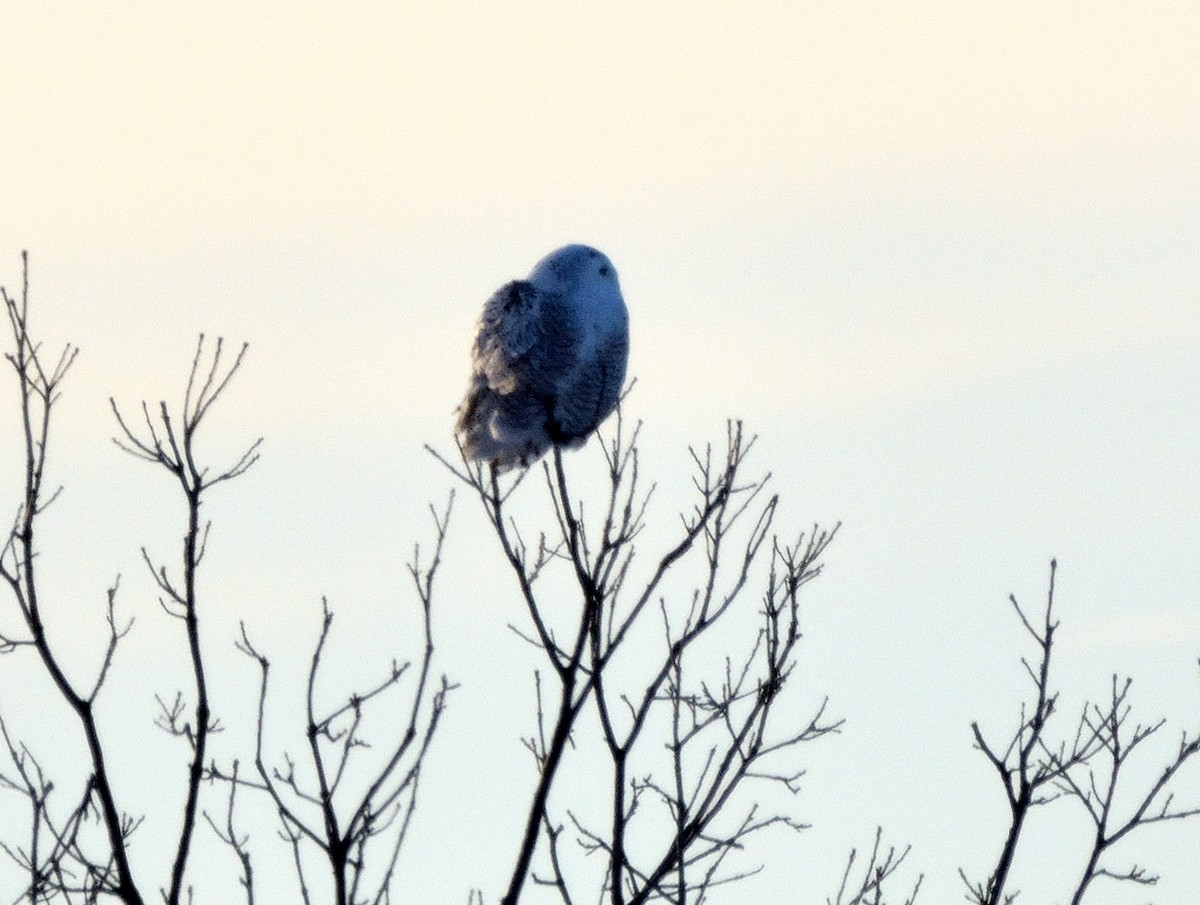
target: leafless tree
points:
(1027, 772)
(1035, 770)
(344, 825)
(1095, 785)
(169, 442)
(166, 439)
(59, 856)
(64, 864)
(666, 679)
(716, 709)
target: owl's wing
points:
(525, 341)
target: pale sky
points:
(942, 258)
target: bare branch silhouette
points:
(342, 823)
(1086, 768)
(236, 841)
(170, 443)
(668, 730)
(1097, 792)
(867, 887)
(723, 734)
(39, 388)
(1027, 765)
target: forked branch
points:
(169, 440)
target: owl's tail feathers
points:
(508, 430)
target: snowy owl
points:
(548, 361)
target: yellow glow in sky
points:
(154, 121)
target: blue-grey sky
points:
(941, 257)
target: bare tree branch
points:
(344, 825)
(38, 390)
(172, 446)
(1028, 766)
(1110, 724)
(867, 887)
(729, 728)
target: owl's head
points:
(575, 267)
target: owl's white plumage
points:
(548, 361)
